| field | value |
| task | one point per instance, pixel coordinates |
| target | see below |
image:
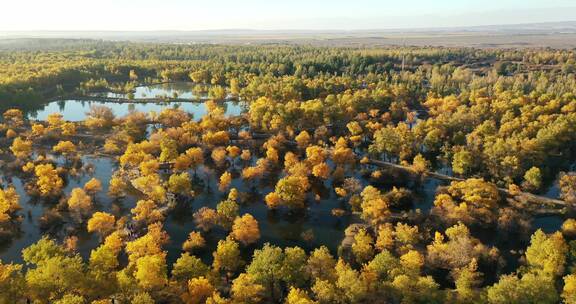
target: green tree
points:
(169, 150)
(472, 201)
(151, 271)
(531, 288)
(321, 264)
(245, 290)
(350, 283)
(12, 284)
(533, 179)
(227, 256)
(547, 253)
(227, 212)
(291, 191)
(52, 273)
(266, 269)
(462, 162)
(417, 290)
(294, 267)
(71, 299)
(363, 247)
(187, 267)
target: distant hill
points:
(550, 34)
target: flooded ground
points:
(279, 228)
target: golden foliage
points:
(245, 229)
(21, 148)
(48, 181)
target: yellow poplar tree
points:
(48, 180)
(79, 203)
(93, 186)
(8, 203)
(21, 148)
(199, 290)
(101, 222)
(64, 147)
(245, 229)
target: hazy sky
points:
(18, 15)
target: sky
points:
(190, 15)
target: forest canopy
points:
(351, 175)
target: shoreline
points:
(135, 100)
(80, 97)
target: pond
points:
(189, 101)
(182, 90)
(75, 110)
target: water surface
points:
(193, 103)
(75, 110)
(183, 90)
(278, 228)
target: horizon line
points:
(291, 29)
